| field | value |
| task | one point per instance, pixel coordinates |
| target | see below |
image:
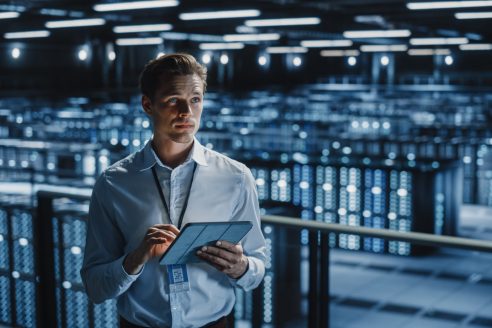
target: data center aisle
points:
(452, 288)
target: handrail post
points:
(324, 281)
(44, 261)
(314, 292)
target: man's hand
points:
(226, 257)
(155, 243)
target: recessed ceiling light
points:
(383, 48)
(479, 15)
(476, 46)
(437, 41)
(377, 34)
(447, 4)
(221, 46)
(9, 14)
(138, 41)
(220, 14)
(283, 50)
(142, 28)
(27, 34)
(283, 21)
(339, 53)
(251, 37)
(326, 43)
(135, 5)
(75, 23)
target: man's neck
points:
(171, 153)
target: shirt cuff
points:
(249, 279)
(121, 275)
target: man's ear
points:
(147, 105)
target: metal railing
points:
(319, 254)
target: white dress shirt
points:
(125, 203)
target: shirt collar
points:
(150, 158)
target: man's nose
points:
(185, 110)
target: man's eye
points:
(195, 100)
(173, 100)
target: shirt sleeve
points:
(102, 270)
(248, 209)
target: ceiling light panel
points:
(377, 34)
(220, 14)
(383, 48)
(251, 37)
(138, 41)
(221, 46)
(326, 43)
(285, 50)
(479, 15)
(339, 53)
(476, 46)
(428, 52)
(142, 28)
(135, 5)
(437, 41)
(27, 34)
(448, 4)
(75, 23)
(283, 22)
(9, 14)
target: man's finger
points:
(221, 253)
(234, 248)
(168, 227)
(162, 233)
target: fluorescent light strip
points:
(251, 37)
(135, 5)
(383, 48)
(428, 52)
(325, 43)
(339, 53)
(437, 41)
(142, 28)
(473, 15)
(476, 46)
(377, 34)
(9, 14)
(138, 41)
(75, 23)
(220, 14)
(447, 4)
(285, 50)
(221, 46)
(283, 22)
(27, 34)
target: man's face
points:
(176, 108)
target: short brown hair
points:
(164, 67)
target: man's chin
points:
(182, 138)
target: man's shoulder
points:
(121, 169)
(224, 162)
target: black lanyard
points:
(163, 199)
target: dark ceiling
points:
(336, 17)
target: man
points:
(140, 203)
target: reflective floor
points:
(452, 288)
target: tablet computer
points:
(195, 235)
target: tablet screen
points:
(195, 235)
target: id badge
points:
(178, 278)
